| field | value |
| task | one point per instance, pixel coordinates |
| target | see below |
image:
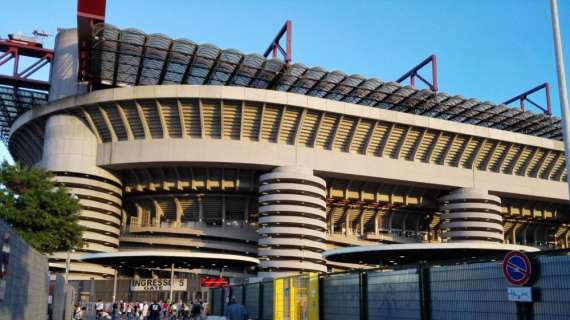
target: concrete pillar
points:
(292, 222)
(471, 214)
(69, 152)
(65, 66)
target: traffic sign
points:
(517, 268)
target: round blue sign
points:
(517, 268)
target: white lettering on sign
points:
(158, 285)
(520, 294)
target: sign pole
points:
(66, 267)
(115, 286)
(562, 91)
(171, 281)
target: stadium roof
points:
(13, 103)
(129, 57)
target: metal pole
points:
(115, 286)
(67, 263)
(171, 281)
(562, 90)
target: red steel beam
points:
(524, 97)
(414, 73)
(24, 49)
(11, 49)
(89, 13)
(275, 47)
(24, 83)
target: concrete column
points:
(65, 66)
(471, 214)
(292, 222)
(69, 152)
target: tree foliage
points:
(41, 211)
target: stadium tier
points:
(221, 159)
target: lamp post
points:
(562, 90)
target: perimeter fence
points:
(461, 291)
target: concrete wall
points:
(26, 294)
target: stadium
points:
(188, 156)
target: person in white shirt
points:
(99, 307)
(145, 310)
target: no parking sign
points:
(517, 268)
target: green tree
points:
(40, 210)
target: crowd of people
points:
(158, 310)
(141, 310)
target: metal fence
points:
(460, 291)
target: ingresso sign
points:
(158, 285)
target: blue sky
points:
(486, 49)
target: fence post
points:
(321, 300)
(260, 302)
(424, 286)
(363, 294)
(243, 293)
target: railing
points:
(136, 223)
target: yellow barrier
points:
(278, 299)
(296, 298)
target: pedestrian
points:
(236, 311)
(114, 311)
(144, 310)
(154, 310)
(196, 312)
(129, 310)
(99, 307)
(78, 315)
(174, 311)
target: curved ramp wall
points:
(69, 152)
(292, 222)
(471, 214)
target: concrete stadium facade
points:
(281, 177)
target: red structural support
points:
(13, 50)
(89, 13)
(524, 97)
(275, 47)
(414, 73)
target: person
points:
(144, 313)
(236, 311)
(173, 311)
(99, 307)
(78, 315)
(129, 310)
(154, 310)
(140, 310)
(196, 312)
(115, 308)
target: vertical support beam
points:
(125, 122)
(246, 211)
(369, 138)
(171, 282)
(260, 301)
(144, 124)
(363, 294)
(89, 12)
(181, 118)
(425, 298)
(165, 131)
(317, 131)
(115, 285)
